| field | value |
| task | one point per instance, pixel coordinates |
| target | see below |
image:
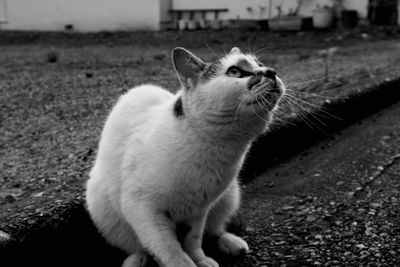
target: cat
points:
(168, 158)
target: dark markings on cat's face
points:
(244, 64)
(210, 71)
(259, 63)
(178, 108)
(254, 79)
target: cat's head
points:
(235, 88)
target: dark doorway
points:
(383, 12)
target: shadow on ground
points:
(76, 242)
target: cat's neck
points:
(219, 142)
(238, 133)
(229, 138)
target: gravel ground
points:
(336, 204)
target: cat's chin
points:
(267, 99)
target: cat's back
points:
(136, 107)
(130, 117)
(140, 100)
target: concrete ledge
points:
(66, 237)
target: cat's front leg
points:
(156, 232)
(193, 240)
(219, 215)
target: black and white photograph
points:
(199, 133)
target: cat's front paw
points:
(135, 260)
(207, 262)
(181, 262)
(231, 244)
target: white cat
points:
(165, 159)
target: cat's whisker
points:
(209, 48)
(308, 94)
(266, 112)
(252, 108)
(238, 108)
(302, 115)
(308, 121)
(271, 113)
(305, 81)
(262, 104)
(315, 107)
(262, 49)
(299, 90)
(223, 49)
(249, 40)
(325, 114)
(263, 54)
(311, 113)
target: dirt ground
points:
(56, 90)
(334, 204)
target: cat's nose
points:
(270, 73)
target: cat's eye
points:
(236, 72)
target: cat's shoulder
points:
(139, 101)
(145, 95)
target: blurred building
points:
(109, 15)
(81, 15)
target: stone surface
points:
(348, 214)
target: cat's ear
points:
(187, 66)
(235, 50)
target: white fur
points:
(154, 169)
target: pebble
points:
(4, 237)
(347, 253)
(287, 207)
(38, 194)
(361, 246)
(250, 229)
(372, 212)
(375, 205)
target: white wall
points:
(3, 13)
(84, 15)
(264, 9)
